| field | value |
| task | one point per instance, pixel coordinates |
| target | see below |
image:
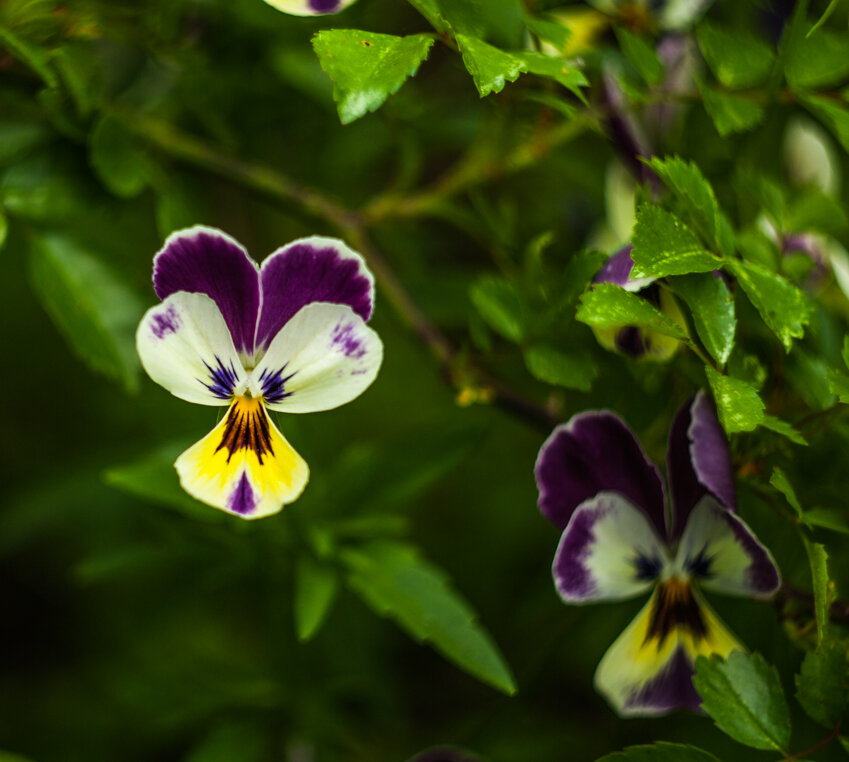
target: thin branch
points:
(835, 731)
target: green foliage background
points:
(139, 625)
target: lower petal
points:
(244, 465)
(648, 669)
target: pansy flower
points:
(621, 538)
(289, 336)
(310, 7)
(630, 340)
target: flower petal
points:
(617, 270)
(185, 346)
(205, 260)
(697, 460)
(596, 451)
(310, 270)
(609, 551)
(244, 465)
(648, 669)
(323, 357)
(719, 550)
(309, 7)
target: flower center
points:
(246, 428)
(675, 607)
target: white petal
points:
(185, 346)
(323, 357)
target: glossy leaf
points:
(490, 67)
(610, 306)
(712, 306)
(738, 404)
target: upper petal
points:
(310, 7)
(596, 451)
(314, 269)
(208, 261)
(617, 270)
(323, 357)
(697, 459)
(185, 346)
(719, 550)
(609, 551)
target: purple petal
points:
(207, 261)
(617, 269)
(671, 689)
(310, 270)
(593, 452)
(697, 460)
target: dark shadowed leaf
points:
(738, 60)
(315, 589)
(731, 113)
(821, 686)
(660, 752)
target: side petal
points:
(310, 270)
(309, 7)
(648, 670)
(323, 357)
(609, 551)
(595, 452)
(720, 551)
(244, 465)
(617, 270)
(185, 346)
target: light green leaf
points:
(366, 67)
(501, 305)
(431, 11)
(554, 32)
(738, 404)
(395, 581)
(90, 305)
(817, 60)
(784, 308)
(744, 697)
(828, 518)
(780, 481)
(641, 56)
(833, 115)
(712, 306)
(838, 384)
(731, 113)
(818, 559)
(566, 73)
(660, 752)
(490, 67)
(821, 686)
(785, 429)
(573, 370)
(609, 306)
(117, 159)
(663, 245)
(316, 586)
(737, 59)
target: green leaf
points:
(573, 370)
(154, 479)
(821, 686)
(316, 586)
(739, 406)
(566, 73)
(818, 559)
(4, 228)
(663, 245)
(395, 581)
(366, 67)
(498, 21)
(785, 429)
(553, 32)
(90, 305)
(660, 752)
(838, 384)
(712, 306)
(744, 697)
(834, 116)
(825, 15)
(42, 188)
(117, 159)
(431, 11)
(490, 67)
(231, 740)
(609, 306)
(784, 308)
(731, 113)
(780, 481)
(641, 56)
(697, 198)
(501, 305)
(817, 60)
(577, 275)
(38, 59)
(737, 59)
(19, 138)
(826, 518)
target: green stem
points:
(835, 731)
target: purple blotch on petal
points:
(671, 689)
(207, 261)
(163, 324)
(304, 272)
(344, 339)
(274, 384)
(596, 451)
(242, 500)
(324, 6)
(222, 379)
(617, 269)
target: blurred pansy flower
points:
(630, 340)
(289, 336)
(310, 7)
(620, 540)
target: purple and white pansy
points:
(310, 7)
(289, 336)
(622, 537)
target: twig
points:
(835, 731)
